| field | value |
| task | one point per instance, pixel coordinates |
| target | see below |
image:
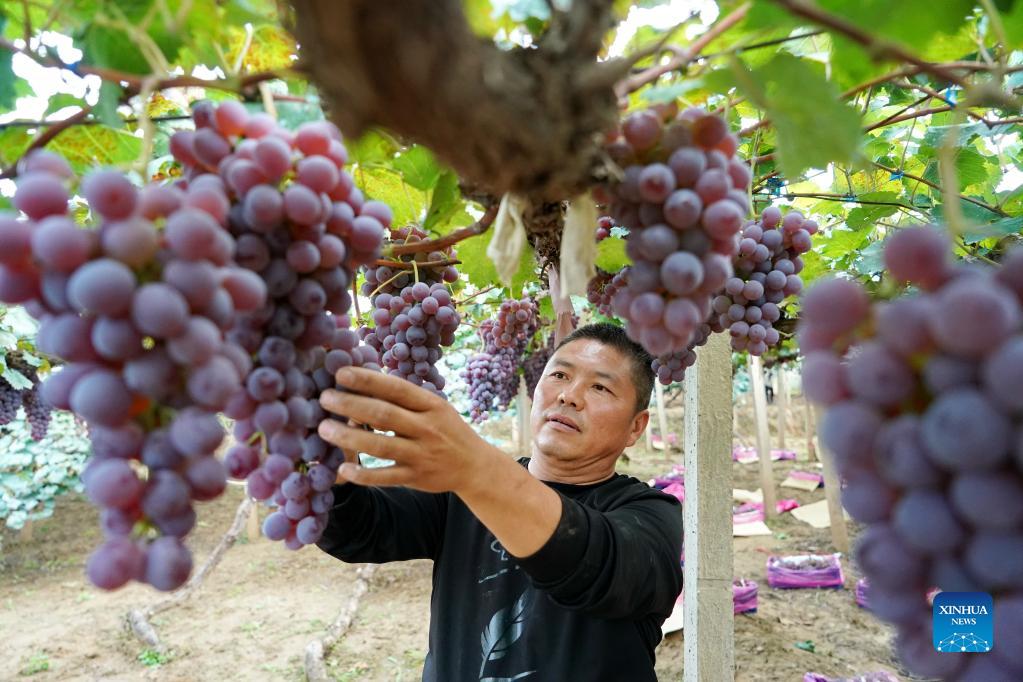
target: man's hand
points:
(436, 451)
(432, 447)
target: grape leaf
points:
(808, 137)
(96, 145)
(419, 167)
(8, 95)
(378, 182)
(611, 255)
(445, 201)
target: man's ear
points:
(638, 426)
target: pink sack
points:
(676, 490)
(861, 593)
(806, 570)
(744, 596)
(880, 676)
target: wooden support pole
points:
(808, 424)
(662, 416)
(756, 370)
(525, 433)
(707, 610)
(833, 494)
(782, 401)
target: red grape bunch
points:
(672, 367)
(302, 229)
(535, 362)
(493, 375)
(136, 304)
(413, 313)
(767, 271)
(515, 321)
(601, 290)
(922, 412)
(604, 225)
(683, 199)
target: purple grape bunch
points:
(601, 290)
(683, 199)
(413, 312)
(767, 269)
(922, 412)
(225, 291)
(147, 364)
(493, 374)
(302, 229)
(37, 410)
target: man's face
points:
(584, 407)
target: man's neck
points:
(553, 470)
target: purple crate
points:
(805, 570)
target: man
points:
(547, 568)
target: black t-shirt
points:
(588, 606)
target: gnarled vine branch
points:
(529, 120)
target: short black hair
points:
(615, 337)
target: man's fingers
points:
(396, 474)
(358, 440)
(382, 416)
(385, 387)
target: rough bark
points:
(528, 120)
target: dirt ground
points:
(256, 612)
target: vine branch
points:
(441, 243)
(934, 185)
(683, 57)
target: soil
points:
(258, 609)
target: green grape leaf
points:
(373, 146)
(106, 106)
(999, 228)
(868, 214)
(87, 146)
(808, 137)
(445, 202)
(418, 166)
(408, 203)
(611, 255)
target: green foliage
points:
(38, 663)
(153, 658)
(34, 474)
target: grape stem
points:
(478, 293)
(379, 287)
(414, 265)
(441, 243)
(683, 57)
(879, 49)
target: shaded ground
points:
(263, 604)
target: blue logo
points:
(963, 622)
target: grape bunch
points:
(302, 229)
(601, 290)
(767, 271)
(922, 411)
(414, 324)
(10, 401)
(226, 291)
(138, 314)
(516, 321)
(604, 225)
(493, 375)
(672, 367)
(413, 313)
(533, 365)
(37, 410)
(683, 198)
